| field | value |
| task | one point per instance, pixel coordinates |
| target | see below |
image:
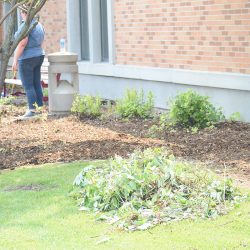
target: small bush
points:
(135, 105)
(6, 100)
(236, 116)
(86, 106)
(162, 121)
(151, 187)
(190, 109)
(45, 92)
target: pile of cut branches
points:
(151, 187)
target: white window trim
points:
(73, 27)
(94, 31)
(94, 36)
(111, 31)
(74, 37)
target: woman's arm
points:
(18, 52)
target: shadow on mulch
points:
(59, 151)
(228, 143)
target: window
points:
(104, 31)
(94, 30)
(84, 26)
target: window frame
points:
(84, 28)
(104, 31)
(96, 38)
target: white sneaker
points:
(29, 115)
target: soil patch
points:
(31, 187)
(67, 139)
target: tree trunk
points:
(5, 53)
(4, 60)
(3, 69)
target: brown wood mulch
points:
(67, 139)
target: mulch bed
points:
(66, 139)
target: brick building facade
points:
(195, 35)
(164, 46)
(53, 18)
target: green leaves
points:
(190, 109)
(86, 106)
(151, 187)
(6, 100)
(135, 105)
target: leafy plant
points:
(86, 106)
(151, 187)
(45, 92)
(135, 105)
(162, 122)
(6, 100)
(42, 111)
(236, 116)
(189, 109)
(6, 104)
(108, 108)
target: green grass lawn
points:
(49, 219)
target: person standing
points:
(28, 59)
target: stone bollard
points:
(63, 81)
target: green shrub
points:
(135, 105)
(6, 100)
(190, 109)
(162, 122)
(152, 187)
(236, 116)
(86, 106)
(45, 92)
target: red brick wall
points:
(211, 35)
(54, 19)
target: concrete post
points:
(63, 81)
